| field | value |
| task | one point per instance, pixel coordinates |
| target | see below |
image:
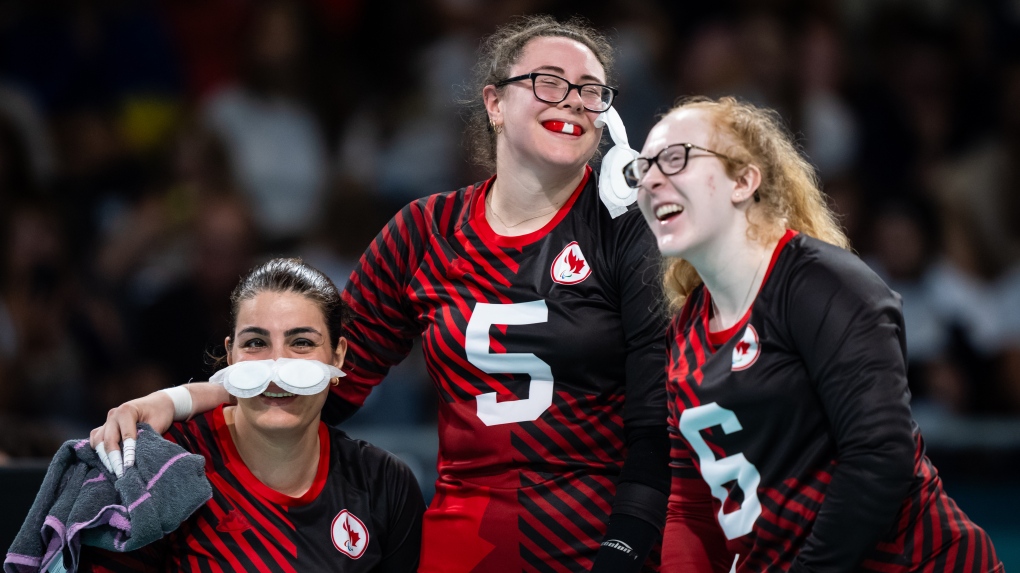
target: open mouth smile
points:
(668, 211)
(562, 127)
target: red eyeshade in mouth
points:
(562, 127)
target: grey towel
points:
(80, 502)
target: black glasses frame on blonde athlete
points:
(554, 89)
(671, 160)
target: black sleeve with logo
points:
(793, 428)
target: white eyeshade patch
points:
(250, 378)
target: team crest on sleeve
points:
(570, 267)
(747, 349)
(350, 536)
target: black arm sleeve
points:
(848, 328)
(639, 510)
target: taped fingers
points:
(117, 461)
(101, 452)
(129, 452)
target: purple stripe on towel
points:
(56, 543)
(100, 477)
(80, 443)
(120, 541)
(103, 517)
(22, 559)
(55, 524)
(165, 467)
(144, 497)
(120, 521)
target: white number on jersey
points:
(717, 472)
(476, 346)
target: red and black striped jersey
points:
(542, 348)
(793, 445)
(363, 513)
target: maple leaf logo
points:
(746, 351)
(576, 264)
(569, 266)
(351, 534)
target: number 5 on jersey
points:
(718, 472)
(476, 347)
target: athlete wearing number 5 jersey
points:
(793, 446)
(536, 301)
(543, 348)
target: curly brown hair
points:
(502, 50)
(790, 193)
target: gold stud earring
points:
(497, 128)
(334, 381)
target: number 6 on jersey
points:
(717, 472)
(476, 347)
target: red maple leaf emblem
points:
(576, 264)
(743, 346)
(232, 521)
(353, 535)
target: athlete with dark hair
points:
(793, 444)
(289, 493)
(536, 303)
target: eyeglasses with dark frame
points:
(670, 159)
(554, 89)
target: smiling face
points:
(537, 134)
(690, 210)
(275, 325)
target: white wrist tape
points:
(182, 402)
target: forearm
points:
(861, 503)
(639, 511)
(206, 395)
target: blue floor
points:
(995, 508)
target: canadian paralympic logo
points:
(746, 350)
(350, 536)
(570, 267)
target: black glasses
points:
(671, 160)
(554, 89)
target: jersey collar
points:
(252, 483)
(717, 339)
(484, 230)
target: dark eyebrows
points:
(561, 71)
(291, 332)
(301, 330)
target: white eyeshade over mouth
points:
(250, 378)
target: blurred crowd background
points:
(152, 150)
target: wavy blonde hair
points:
(790, 195)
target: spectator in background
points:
(192, 313)
(905, 252)
(54, 348)
(711, 63)
(830, 130)
(26, 149)
(273, 137)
